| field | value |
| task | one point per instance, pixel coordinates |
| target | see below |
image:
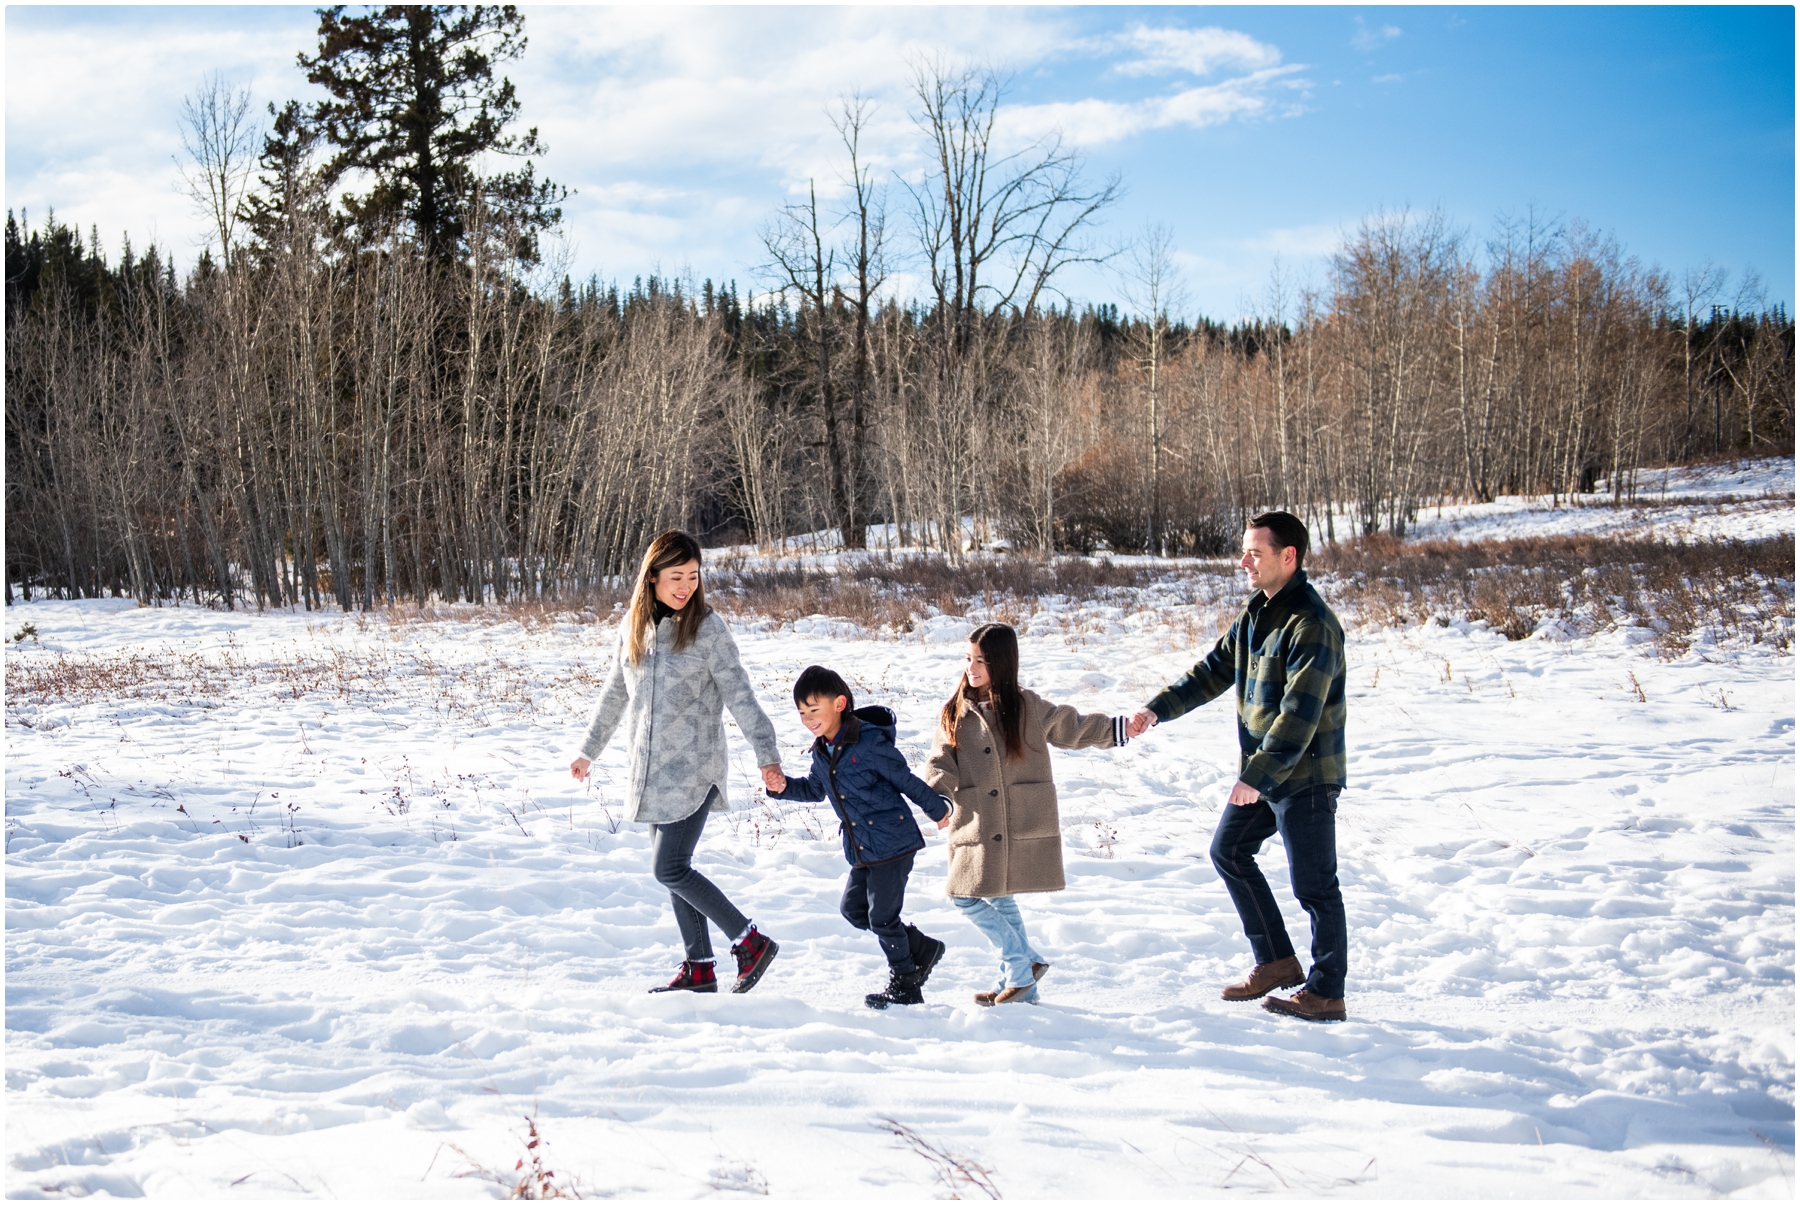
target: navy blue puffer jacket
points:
(864, 776)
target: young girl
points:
(991, 757)
(676, 670)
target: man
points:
(1285, 655)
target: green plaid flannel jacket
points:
(1285, 655)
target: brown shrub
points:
(1734, 589)
(1730, 590)
(1737, 591)
(890, 595)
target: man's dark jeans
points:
(873, 897)
(1308, 827)
(695, 898)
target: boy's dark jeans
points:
(1308, 827)
(873, 897)
(695, 898)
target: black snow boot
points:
(900, 989)
(925, 952)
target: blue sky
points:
(1252, 132)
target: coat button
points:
(996, 836)
(989, 749)
(993, 792)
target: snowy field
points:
(309, 906)
(1733, 499)
(1745, 500)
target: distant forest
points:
(376, 386)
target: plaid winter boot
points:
(692, 977)
(753, 954)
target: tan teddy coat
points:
(1005, 834)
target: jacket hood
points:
(863, 724)
(881, 719)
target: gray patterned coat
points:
(672, 707)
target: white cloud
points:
(1367, 39)
(93, 113)
(1297, 242)
(1194, 51)
(1094, 122)
(748, 86)
(686, 129)
(681, 129)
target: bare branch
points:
(220, 139)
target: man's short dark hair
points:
(1285, 531)
(817, 682)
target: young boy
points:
(856, 766)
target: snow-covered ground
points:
(1749, 499)
(1743, 500)
(304, 905)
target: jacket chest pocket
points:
(684, 669)
(1268, 673)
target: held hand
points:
(579, 768)
(1243, 796)
(1140, 722)
(773, 779)
(944, 823)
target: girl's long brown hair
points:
(666, 551)
(999, 646)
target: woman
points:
(991, 757)
(677, 668)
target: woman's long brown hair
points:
(999, 646)
(666, 551)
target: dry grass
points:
(530, 1178)
(884, 597)
(956, 1173)
(1732, 591)
(1738, 593)
(891, 595)
(395, 672)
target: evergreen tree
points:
(54, 253)
(414, 102)
(288, 205)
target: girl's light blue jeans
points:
(999, 921)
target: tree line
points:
(397, 393)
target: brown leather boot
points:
(1307, 1007)
(1265, 977)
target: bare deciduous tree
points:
(220, 140)
(995, 225)
(1155, 289)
